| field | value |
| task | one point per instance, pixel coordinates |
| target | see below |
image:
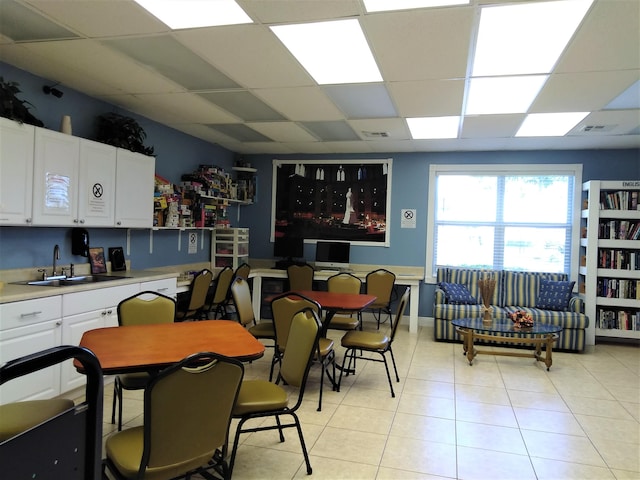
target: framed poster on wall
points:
(346, 200)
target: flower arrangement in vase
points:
(487, 286)
(521, 319)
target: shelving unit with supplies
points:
(230, 247)
(609, 276)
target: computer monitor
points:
(332, 255)
(288, 247)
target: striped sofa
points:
(514, 291)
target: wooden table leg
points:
(548, 348)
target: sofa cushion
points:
(522, 288)
(567, 320)
(457, 293)
(554, 295)
(469, 277)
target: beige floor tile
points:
(424, 428)
(548, 421)
(344, 444)
(420, 456)
(385, 473)
(357, 397)
(540, 401)
(487, 413)
(610, 429)
(432, 389)
(619, 455)
(424, 405)
(555, 470)
(475, 393)
(633, 409)
(624, 474)
(556, 446)
(478, 464)
(332, 469)
(362, 419)
(490, 437)
(598, 407)
(254, 463)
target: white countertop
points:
(16, 293)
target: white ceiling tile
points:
(395, 127)
(616, 122)
(609, 39)
(101, 18)
(421, 44)
(288, 11)
(494, 126)
(582, 92)
(428, 98)
(249, 53)
(188, 108)
(283, 131)
(301, 104)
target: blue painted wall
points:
(178, 153)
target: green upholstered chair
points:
(260, 398)
(19, 417)
(283, 308)
(344, 283)
(187, 413)
(300, 277)
(146, 307)
(241, 294)
(374, 342)
(218, 296)
(193, 306)
(380, 283)
(242, 271)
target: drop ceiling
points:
(239, 87)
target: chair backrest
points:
(199, 289)
(243, 271)
(344, 283)
(300, 277)
(187, 437)
(241, 294)
(283, 308)
(146, 308)
(402, 304)
(301, 349)
(380, 284)
(222, 284)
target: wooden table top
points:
(339, 301)
(148, 347)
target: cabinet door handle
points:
(109, 312)
(82, 221)
(162, 289)
(30, 314)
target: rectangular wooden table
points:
(151, 347)
(332, 302)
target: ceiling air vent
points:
(597, 128)
(376, 134)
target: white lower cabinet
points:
(167, 286)
(28, 327)
(85, 311)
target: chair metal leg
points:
(386, 367)
(302, 444)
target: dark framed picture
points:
(334, 200)
(97, 260)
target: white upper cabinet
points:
(97, 185)
(135, 177)
(16, 172)
(55, 181)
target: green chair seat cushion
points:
(339, 322)
(18, 417)
(365, 340)
(259, 396)
(134, 381)
(325, 345)
(263, 330)
(124, 449)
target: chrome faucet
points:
(56, 256)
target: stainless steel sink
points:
(70, 281)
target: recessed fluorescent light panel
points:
(550, 124)
(196, 13)
(332, 52)
(495, 95)
(430, 128)
(388, 5)
(525, 38)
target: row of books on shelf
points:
(619, 230)
(618, 319)
(619, 259)
(620, 200)
(618, 288)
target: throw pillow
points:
(554, 295)
(457, 293)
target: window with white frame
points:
(512, 217)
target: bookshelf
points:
(609, 275)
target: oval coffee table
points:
(503, 330)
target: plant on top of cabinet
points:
(121, 131)
(14, 108)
